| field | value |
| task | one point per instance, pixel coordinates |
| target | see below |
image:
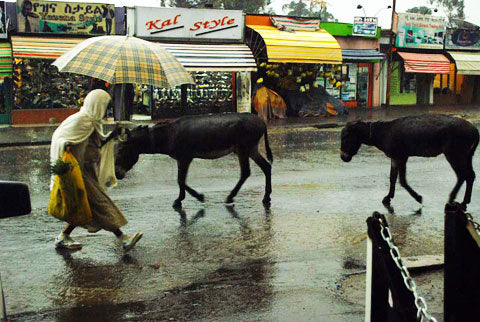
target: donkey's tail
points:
(267, 147)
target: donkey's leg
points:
(244, 174)
(470, 178)
(393, 182)
(182, 166)
(267, 170)
(463, 169)
(402, 168)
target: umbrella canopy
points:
(124, 59)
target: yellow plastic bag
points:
(68, 198)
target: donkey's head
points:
(128, 150)
(351, 139)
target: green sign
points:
(420, 31)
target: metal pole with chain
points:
(407, 304)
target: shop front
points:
(209, 44)
(463, 82)
(298, 60)
(5, 69)
(362, 61)
(41, 93)
(418, 60)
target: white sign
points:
(182, 23)
(365, 26)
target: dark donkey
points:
(205, 137)
(426, 135)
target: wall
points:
(357, 42)
(41, 116)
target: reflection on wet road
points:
(215, 262)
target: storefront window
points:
(212, 94)
(362, 87)
(409, 83)
(349, 88)
(39, 85)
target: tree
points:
(248, 6)
(423, 10)
(301, 9)
(454, 9)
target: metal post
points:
(390, 56)
(3, 309)
(462, 267)
(183, 101)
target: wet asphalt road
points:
(211, 262)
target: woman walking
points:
(83, 132)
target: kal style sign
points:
(65, 17)
(182, 23)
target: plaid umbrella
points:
(122, 59)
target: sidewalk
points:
(42, 134)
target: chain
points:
(475, 224)
(422, 313)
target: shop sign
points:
(65, 17)
(365, 26)
(3, 20)
(462, 39)
(182, 23)
(420, 31)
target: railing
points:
(392, 294)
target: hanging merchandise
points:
(38, 84)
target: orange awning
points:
(425, 63)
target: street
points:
(211, 262)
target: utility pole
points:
(390, 55)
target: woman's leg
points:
(65, 241)
(68, 229)
(128, 242)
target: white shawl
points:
(78, 127)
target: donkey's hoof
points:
(266, 201)
(229, 201)
(386, 201)
(177, 204)
(419, 199)
(201, 197)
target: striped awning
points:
(44, 47)
(213, 57)
(425, 63)
(315, 47)
(362, 55)
(5, 60)
(467, 63)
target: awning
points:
(214, 57)
(315, 47)
(467, 63)
(5, 60)
(45, 47)
(362, 55)
(425, 63)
